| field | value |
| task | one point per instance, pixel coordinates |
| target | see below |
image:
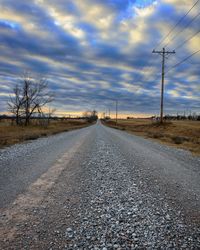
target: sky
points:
(93, 52)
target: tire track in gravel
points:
(100, 202)
(22, 164)
(25, 207)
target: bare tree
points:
(15, 103)
(30, 97)
(45, 117)
(91, 116)
(36, 96)
(50, 113)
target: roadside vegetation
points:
(183, 134)
(12, 134)
(30, 117)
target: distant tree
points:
(91, 116)
(94, 113)
(29, 98)
(86, 114)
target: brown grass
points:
(182, 134)
(11, 134)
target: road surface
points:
(98, 188)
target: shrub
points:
(31, 137)
(178, 139)
(155, 135)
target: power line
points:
(181, 45)
(180, 20)
(188, 57)
(179, 32)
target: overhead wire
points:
(187, 40)
(184, 60)
(174, 27)
(179, 32)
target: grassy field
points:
(181, 134)
(11, 134)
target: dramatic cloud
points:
(96, 51)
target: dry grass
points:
(11, 134)
(182, 134)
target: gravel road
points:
(99, 188)
(22, 164)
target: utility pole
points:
(163, 53)
(116, 110)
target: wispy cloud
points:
(94, 52)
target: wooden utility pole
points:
(116, 110)
(163, 53)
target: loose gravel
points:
(22, 164)
(105, 200)
(121, 216)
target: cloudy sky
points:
(96, 51)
